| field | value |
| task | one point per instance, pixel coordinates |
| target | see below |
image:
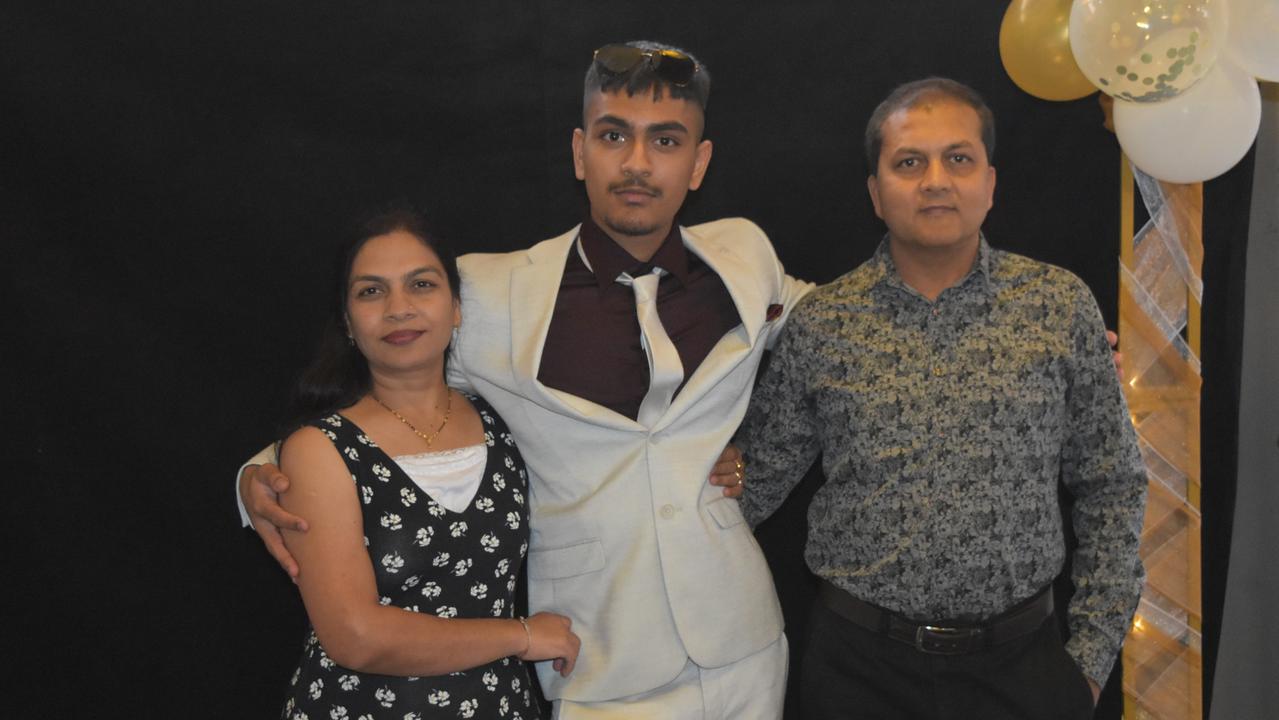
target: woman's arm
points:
(340, 592)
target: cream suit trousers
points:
(752, 688)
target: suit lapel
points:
(534, 289)
(751, 303)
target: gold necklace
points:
(448, 407)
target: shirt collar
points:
(886, 270)
(607, 259)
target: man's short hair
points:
(642, 78)
(911, 94)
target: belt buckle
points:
(936, 640)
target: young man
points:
(948, 386)
(622, 355)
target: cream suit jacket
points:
(628, 539)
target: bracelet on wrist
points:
(528, 634)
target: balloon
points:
(1197, 135)
(1253, 42)
(1035, 49)
(1146, 50)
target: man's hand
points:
(1113, 338)
(729, 472)
(260, 489)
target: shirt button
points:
(937, 371)
(668, 511)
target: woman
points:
(410, 570)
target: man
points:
(622, 354)
(947, 387)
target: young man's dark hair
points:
(642, 65)
(907, 96)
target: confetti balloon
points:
(1146, 51)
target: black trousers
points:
(850, 672)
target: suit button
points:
(668, 511)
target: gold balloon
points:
(1034, 44)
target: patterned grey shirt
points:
(943, 429)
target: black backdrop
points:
(170, 177)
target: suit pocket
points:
(726, 512)
(565, 562)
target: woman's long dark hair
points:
(338, 375)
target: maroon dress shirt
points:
(593, 345)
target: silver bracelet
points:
(527, 633)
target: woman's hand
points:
(550, 638)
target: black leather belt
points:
(940, 638)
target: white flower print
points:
(510, 464)
(484, 504)
(326, 662)
(438, 697)
(299, 715)
(457, 528)
(413, 716)
(446, 611)
(317, 687)
(441, 560)
(297, 671)
(392, 562)
(488, 439)
(331, 435)
(515, 684)
(517, 496)
(381, 472)
(431, 590)
(462, 567)
(351, 453)
(489, 542)
(503, 567)
(488, 419)
(499, 482)
(337, 713)
(366, 541)
(489, 680)
(435, 509)
(503, 706)
(384, 601)
(411, 582)
(467, 708)
(407, 496)
(498, 606)
(479, 590)
(506, 438)
(510, 585)
(424, 536)
(334, 420)
(513, 520)
(385, 696)
(366, 716)
(410, 608)
(366, 494)
(349, 682)
(288, 706)
(364, 439)
(391, 521)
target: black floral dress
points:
(429, 559)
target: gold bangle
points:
(528, 634)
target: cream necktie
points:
(665, 371)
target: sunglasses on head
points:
(672, 66)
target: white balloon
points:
(1253, 40)
(1197, 135)
(1146, 51)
